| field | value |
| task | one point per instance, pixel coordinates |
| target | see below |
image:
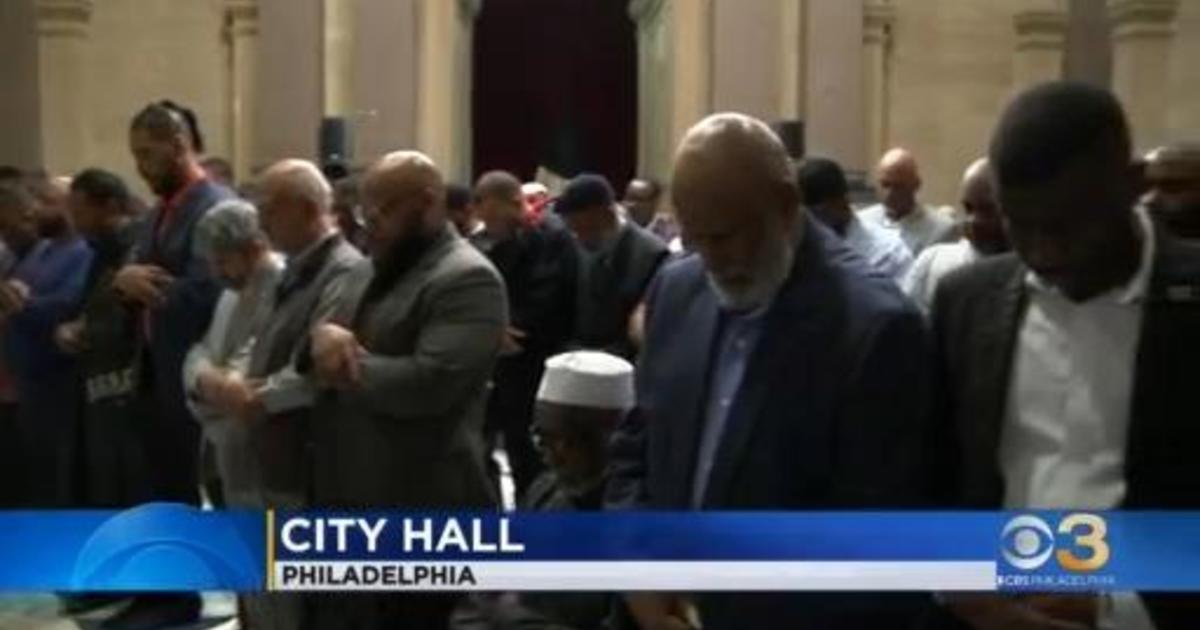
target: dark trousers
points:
(47, 423)
(172, 439)
(12, 461)
(510, 412)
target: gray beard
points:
(772, 272)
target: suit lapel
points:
(785, 347)
(691, 387)
(993, 367)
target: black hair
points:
(10, 174)
(498, 184)
(101, 187)
(167, 118)
(1048, 126)
(821, 180)
(585, 191)
(458, 196)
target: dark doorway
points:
(555, 85)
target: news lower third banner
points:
(173, 547)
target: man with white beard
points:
(778, 373)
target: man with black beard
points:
(173, 293)
(404, 365)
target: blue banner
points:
(172, 547)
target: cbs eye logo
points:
(1027, 542)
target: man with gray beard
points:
(778, 373)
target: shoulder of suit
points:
(991, 273)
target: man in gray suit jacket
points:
(406, 363)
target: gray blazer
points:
(410, 435)
(309, 292)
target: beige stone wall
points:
(19, 122)
(748, 57)
(1183, 116)
(143, 50)
(951, 74)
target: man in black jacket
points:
(538, 264)
(1066, 363)
(618, 258)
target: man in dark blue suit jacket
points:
(778, 373)
(170, 285)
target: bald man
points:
(1173, 176)
(770, 377)
(405, 364)
(983, 235)
(919, 226)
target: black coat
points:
(831, 414)
(611, 288)
(977, 315)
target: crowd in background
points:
(323, 338)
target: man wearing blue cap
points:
(618, 259)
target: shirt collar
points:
(1134, 290)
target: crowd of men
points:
(337, 340)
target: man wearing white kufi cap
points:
(581, 398)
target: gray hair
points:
(229, 226)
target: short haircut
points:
(102, 187)
(10, 174)
(1047, 127)
(458, 196)
(585, 191)
(821, 180)
(165, 119)
(229, 227)
(498, 185)
(656, 188)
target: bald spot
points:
(298, 180)
(899, 163)
(734, 141)
(977, 182)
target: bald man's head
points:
(1173, 177)
(983, 225)
(736, 199)
(900, 180)
(294, 201)
(404, 202)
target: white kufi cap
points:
(588, 379)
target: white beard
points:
(772, 270)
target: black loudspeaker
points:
(333, 141)
(791, 132)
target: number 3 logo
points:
(1092, 539)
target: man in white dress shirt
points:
(983, 235)
(826, 194)
(1063, 361)
(918, 225)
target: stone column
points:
(241, 33)
(385, 78)
(338, 64)
(444, 83)
(1142, 34)
(63, 30)
(791, 79)
(691, 34)
(289, 102)
(835, 66)
(878, 16)
(654, 152)
(20, 106)
(1041, 42)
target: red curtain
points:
(555, 84)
